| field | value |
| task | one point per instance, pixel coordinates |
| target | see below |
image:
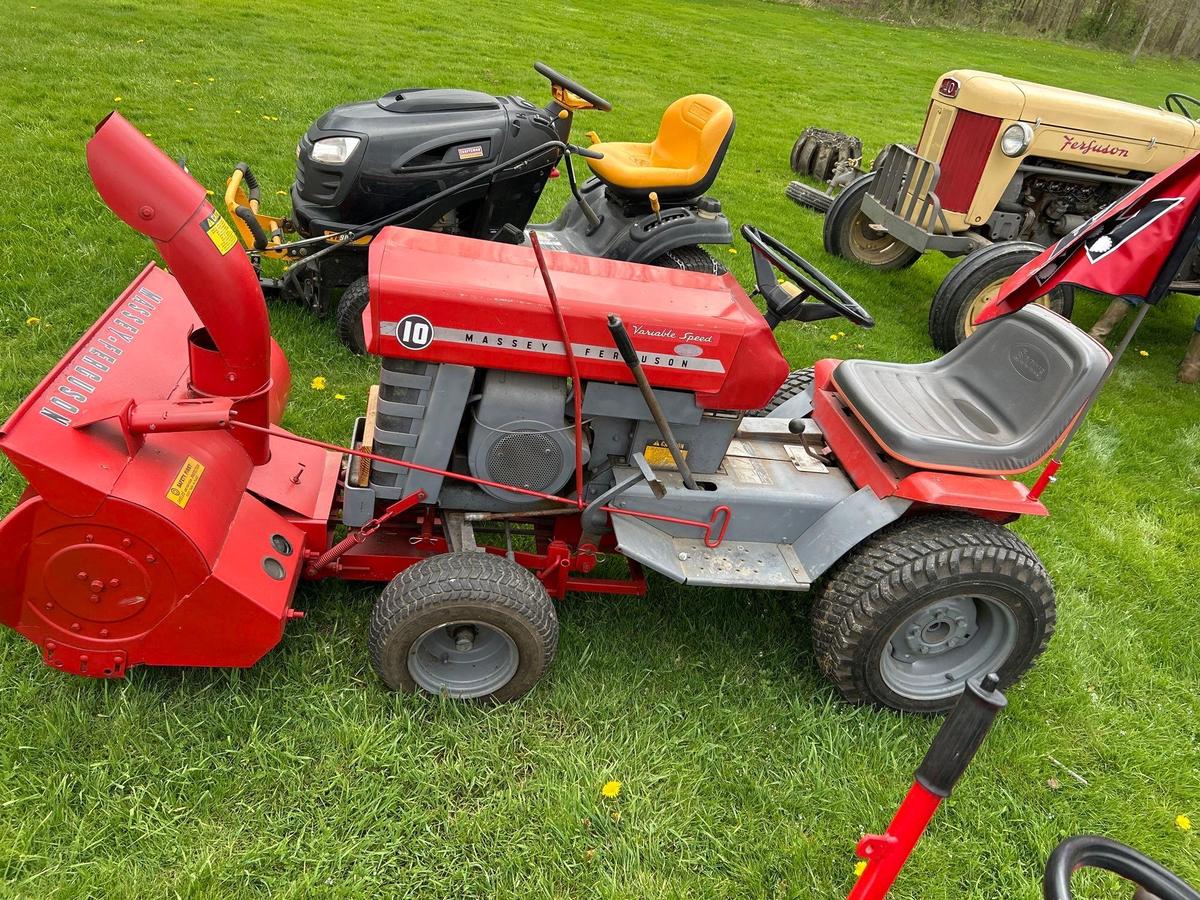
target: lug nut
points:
(97, 585)
(114, 582)
(82, 576)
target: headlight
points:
(334, 150)
(1016, 139)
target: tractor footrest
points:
(743, 564)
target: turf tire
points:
(350, 308)
(690, 259)
(474, 586)
(797, 382)
(903, 568)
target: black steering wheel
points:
(573, 86)
(784, 304)
(1179, 103)
(1089, 851)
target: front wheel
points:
(974, 281)
(851, 235)
(919, 608)
(467, 626)
(690, 259)
(350, 309)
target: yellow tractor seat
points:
(681, 162)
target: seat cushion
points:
(997, 403)
(682, 160)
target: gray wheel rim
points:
(463, 660)
(933, 652)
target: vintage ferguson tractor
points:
(535, 414)
(1003, 169)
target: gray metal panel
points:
(624, 401)
(795, 407)
(844, 527)
(358, 503)
(439, 429)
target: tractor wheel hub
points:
(95, 582)
(937, 629)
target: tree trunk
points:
(1138, 49)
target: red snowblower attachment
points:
(149, 533)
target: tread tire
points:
(798, 381)
(842, 217)
(904, 567)
(350, 308)
(690, 259)
(973, 273)
(472, 585)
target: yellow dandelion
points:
(141, 41)
(179, 81)
(212, 79)
(210, 193)
(841, 334)
(339, 396)
(611, 789)
(148, 134)
(116, 99)
(1143, 353)
(238, 111)
(1183, 823)
(191, 109)
(859, 868)
(281, 193)
(32, 321)
(318, 383)
(195, 82)
(589, 855)
(733, 250)
(833, 337)
(266, 118)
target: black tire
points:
(349, 315)
(972, 280)
(474, 587)
(690, 259)
(797, 382)
(805, 146)
(908, 568)
(848, 233)
(882, 155)
(809, 197)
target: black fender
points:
(650, 236)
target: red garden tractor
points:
(535, 414)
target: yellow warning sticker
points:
(219, 232)
(659, 455)
(180, 491)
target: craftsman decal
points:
(180, 491)
(475, 151)
(414, 332)
(1085, 148)
(1124, 228)
(219, 232)
(81, 377)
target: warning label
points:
(219, 232)
(658, 455)
(180, 491)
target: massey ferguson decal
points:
(1089, 146)
(554, 348)
(104, 352)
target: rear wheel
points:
(349, 315)
(690, 259)
(974, 281)
(851, 235)
(917, 609)
(468, 626)
(804, 195)
(795, 384)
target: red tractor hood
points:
(441, 298)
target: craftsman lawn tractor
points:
(536, 413)
(1003, 169)
(466, 163)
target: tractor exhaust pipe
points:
(231, 356)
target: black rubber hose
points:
(250, 179)
(247, 215)
(1091, 851)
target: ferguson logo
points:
(1090, 146)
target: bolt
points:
(95, 598)
(960, 622)
(914, 631)
(146, 212)
(50, 645)
(74, 626)
(103, 632)
(89, 538)
(924, 651)
(126, 543)
(82, 576)
(151, 558)
(97, 585)
(49, 605)
(114, 582)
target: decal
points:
(414, 332)
(180, 491)
(1092, 146)
(1126, 227)
(671, 334)
(219, 232)
(474, 151)
(658, 454)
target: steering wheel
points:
(1089, 851)
(570, 84)
(1179, 103)
(783, 304)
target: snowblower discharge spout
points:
(152, 532)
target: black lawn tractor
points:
(468, 163)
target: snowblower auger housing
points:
(535, 412)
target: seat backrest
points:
(693, 133)
(1029, 369)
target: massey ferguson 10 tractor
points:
(536, 413)
(1003, 169)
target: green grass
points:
(743, 775)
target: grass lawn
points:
(743, 775)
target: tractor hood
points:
(1010, 98)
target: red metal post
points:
(886, 853)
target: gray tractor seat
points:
(998, 403)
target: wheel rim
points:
(986, 296)
(463, 660)
(933, 652)
(872, 245)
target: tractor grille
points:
(964, 159)
(527, 459)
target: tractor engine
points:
(475, 377)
